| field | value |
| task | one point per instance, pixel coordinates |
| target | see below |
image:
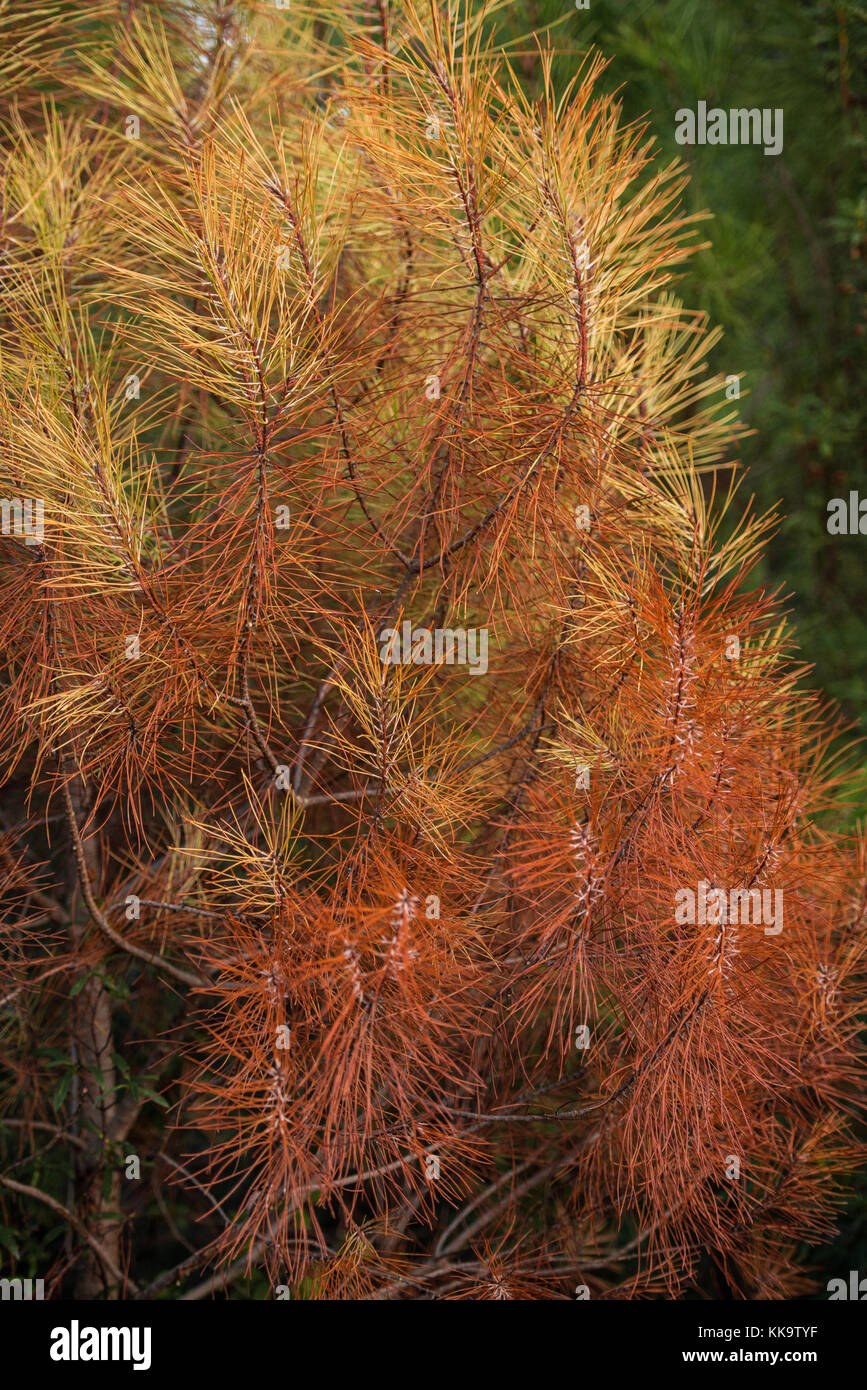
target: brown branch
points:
(184, 976)
(99, 1250)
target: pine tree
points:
(420, 845)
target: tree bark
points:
(92, 1097)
